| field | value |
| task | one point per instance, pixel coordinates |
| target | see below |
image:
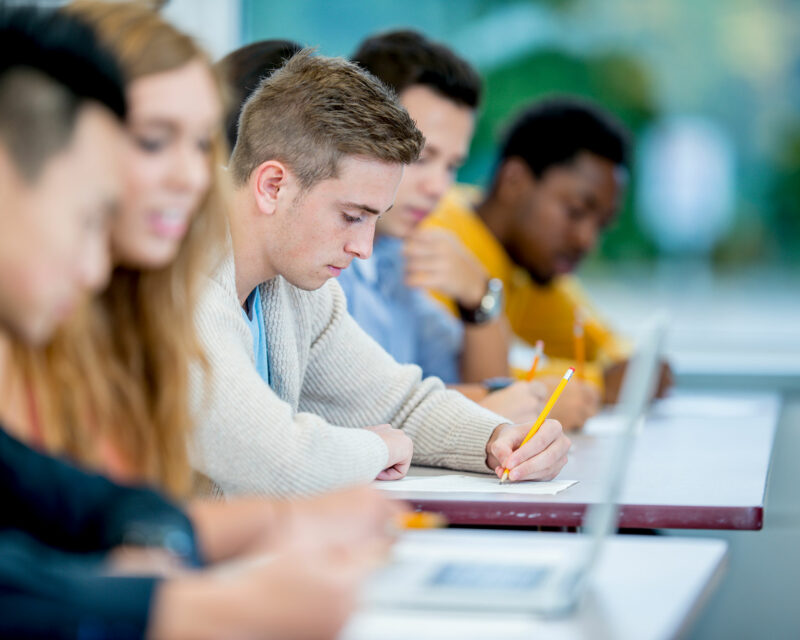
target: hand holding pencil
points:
(529, 452)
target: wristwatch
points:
(497, 383)
(491, 305)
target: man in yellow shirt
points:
(559, 183)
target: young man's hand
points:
(579, 401)
(541, 458)
(401, 448)
(519, 402)
(436, 259)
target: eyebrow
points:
(154, 123)
(363, 207)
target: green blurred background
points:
(731, 67)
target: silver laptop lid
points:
(641, 378)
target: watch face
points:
(490, 306)
(491, 298)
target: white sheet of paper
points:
(472, 484)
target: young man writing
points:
(302, 398)
(559, 182)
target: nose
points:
(359, 243)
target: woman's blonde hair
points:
(119, 372)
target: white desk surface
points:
(643, 588)
(693, 468)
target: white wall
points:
(214, 23)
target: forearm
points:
(194, 606)
(474, 391)
(485, 351)
(251, 440)
(229, 529)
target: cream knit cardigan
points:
(328, 378)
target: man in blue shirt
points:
(403, 320)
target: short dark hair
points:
(554, 131)
(404, 58)
(242, 71)
(52, 64)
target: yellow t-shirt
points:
(535, 312)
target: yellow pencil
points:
(536, 356)
(580, 344)
(420, 520)
(543, 415)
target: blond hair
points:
(119, 371)
(313, 111)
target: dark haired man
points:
(559, 183)
(243, 69)
(385, 295)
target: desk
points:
(643, 588)
(688, 471)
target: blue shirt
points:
(254, 316)
(411, 326)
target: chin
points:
(542, 279)
(151, 260)
(35, 334)
(309, 284)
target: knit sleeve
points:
(247, 439)
(354, 382)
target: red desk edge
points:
(561, 514)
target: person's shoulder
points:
(219, 286)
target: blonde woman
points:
(110, 391)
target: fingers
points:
(423, 237)
(500, 449)
(538, 391)
(395, 472)
(542, 457)
(379, 428)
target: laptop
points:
(512, 571)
